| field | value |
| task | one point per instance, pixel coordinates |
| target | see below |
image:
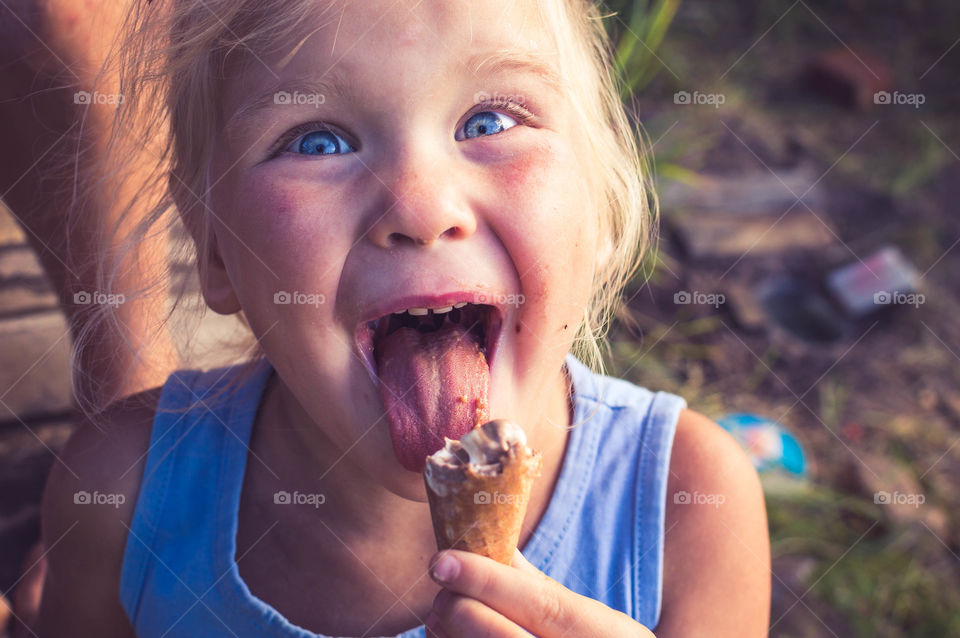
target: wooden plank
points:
(10, 231)
(34, 366)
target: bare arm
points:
(54, 148)
(717, 549)
(85, 540)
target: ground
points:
(878, 408)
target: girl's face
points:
(379, 169)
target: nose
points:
(421, 204)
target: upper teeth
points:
(419, 312)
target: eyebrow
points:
(480, 65)
(525, 61)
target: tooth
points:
(460, 305)
(417, 312)
(399, 312)
(440, 311)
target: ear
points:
(215, 283)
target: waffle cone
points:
(484, 514)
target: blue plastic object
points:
(769, 445)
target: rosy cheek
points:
(540, 201)
(292, 217)
(516, 173)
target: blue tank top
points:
(601, 535)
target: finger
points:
(522, 594)
(462, 617)
(432, 629)
(520, 562)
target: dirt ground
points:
(878, 407)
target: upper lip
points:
(362, 333)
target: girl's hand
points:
(481, 597)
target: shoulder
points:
(716, 543)
(88, 504)
(105, 453)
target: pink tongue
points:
(433, 385)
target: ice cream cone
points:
(479, 506)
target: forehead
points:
(399, 44)
(409, 22)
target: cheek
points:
(281, 229)
(546, 219)
(281, 239)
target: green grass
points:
(892, 582)
(867, 574)
(638, 29)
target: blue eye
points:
(319, 143)
(486, 123)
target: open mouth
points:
(482, 321)
(432, 367)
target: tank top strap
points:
(602, 534)
(167, 557)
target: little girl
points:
(424, 211)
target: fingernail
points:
(446, 569)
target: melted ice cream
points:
(481, 449)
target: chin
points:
(405, 484)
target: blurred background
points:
(804, 294)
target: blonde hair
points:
(171, 65)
